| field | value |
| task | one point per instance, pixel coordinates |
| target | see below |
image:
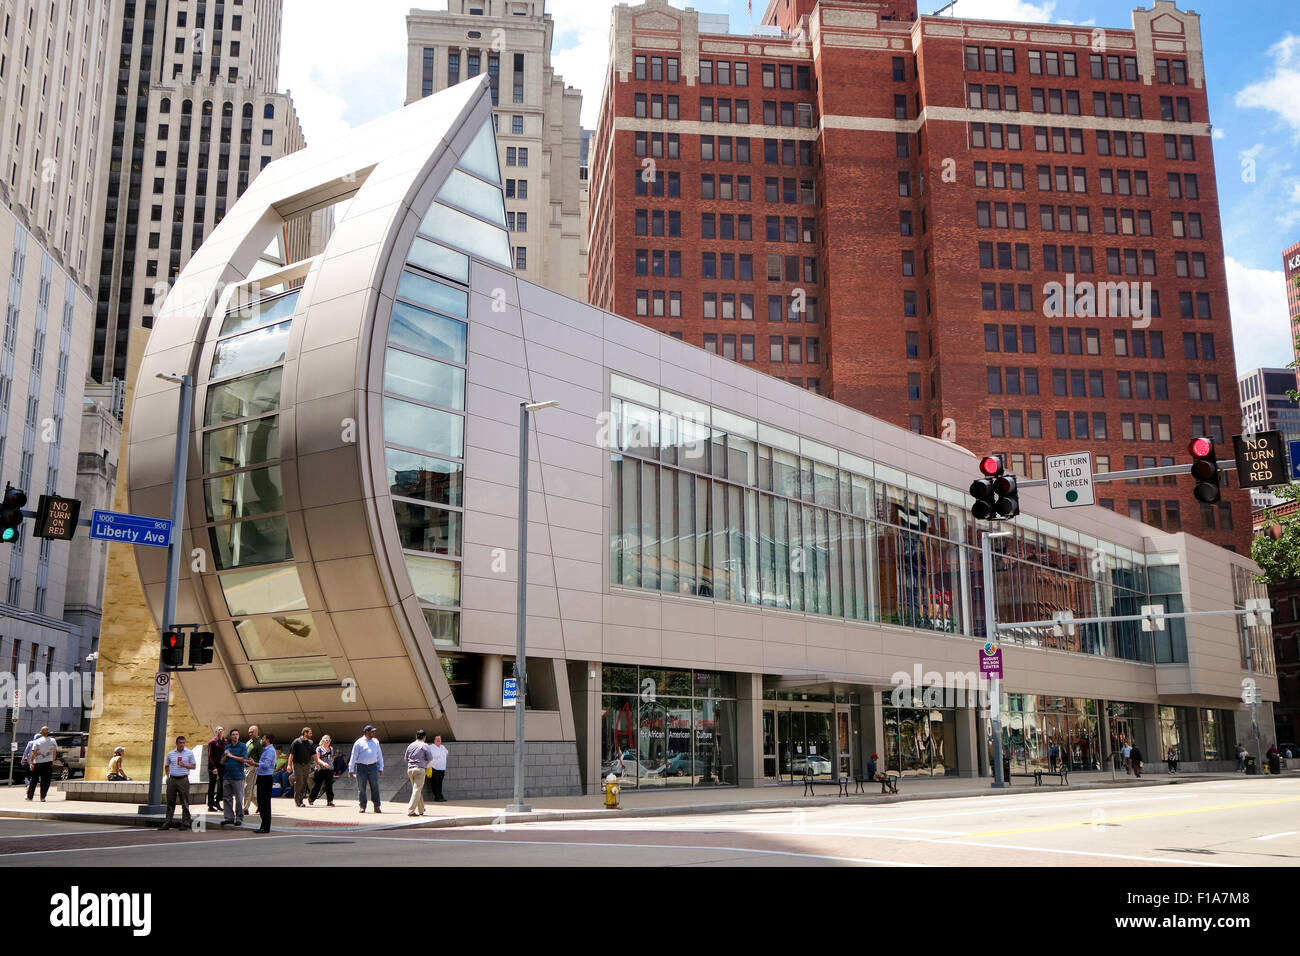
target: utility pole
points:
(185, 404)
(991, 634)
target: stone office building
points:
(731, 580)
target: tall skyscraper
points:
(1291, 273)
(196, 115)
(538, 124)
(52, 69)
(1001, 234)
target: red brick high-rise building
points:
(1291, 275)
(950, 224)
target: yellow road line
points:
(1133, 816)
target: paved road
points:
(1240, 822)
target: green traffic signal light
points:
(8, 534)
(11, 513)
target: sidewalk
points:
(345, 814)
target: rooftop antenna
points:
(943, 8)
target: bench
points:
(810, 783)
(1038, 775)
(888, 782)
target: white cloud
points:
(1279, 92)
(1261, 327)
(341, 78)
(1219, 133)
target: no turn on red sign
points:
(1069, 480)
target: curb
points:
(626, 812)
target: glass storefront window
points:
(419, 476)
(654, 733)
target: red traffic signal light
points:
(996, 495)
(173, 649)
(1205, 469)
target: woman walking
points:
(324, 759)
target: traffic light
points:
(996, 495)
(11, 513)
(173, 649)
(201, 647)
(1205, 469)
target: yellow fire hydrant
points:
(611, 793)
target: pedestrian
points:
(1171, 758)
(254, 744)
(115, 765)
(439, 768)
(302, 754)
(1127, 754)
(282, 778)
(1241, 758)
(41, 763)
(235, 760)
(216, 749)
(418, 758)
(1135, 758)
(1053, 752)
(179, 764)
(23, 767)
(324, 758)
(366, 764)
(264, 776)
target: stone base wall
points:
(484, 770)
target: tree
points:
(1277, 549)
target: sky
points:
(341, 79)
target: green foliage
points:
(1279, 559)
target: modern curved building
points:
(727, 574)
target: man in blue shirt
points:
(265, 776)
(234, 760)
(179, 764)
(366, 764)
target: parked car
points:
(19, 768)
(70, 761)
(682, 765)
(630, 767)
(816, 763)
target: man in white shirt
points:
(1128, 749)
(439, 768)
(418, 757)
(41, 763)
(179, 764)
(366, 764)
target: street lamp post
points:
(185, 405)
(521, 606)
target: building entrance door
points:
(1121, 733)
(814, 738)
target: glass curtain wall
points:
(664, 728)
(1040, 732)
(709, 504)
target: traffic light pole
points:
(995, 683)
(186, 402)
(1154, 472)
